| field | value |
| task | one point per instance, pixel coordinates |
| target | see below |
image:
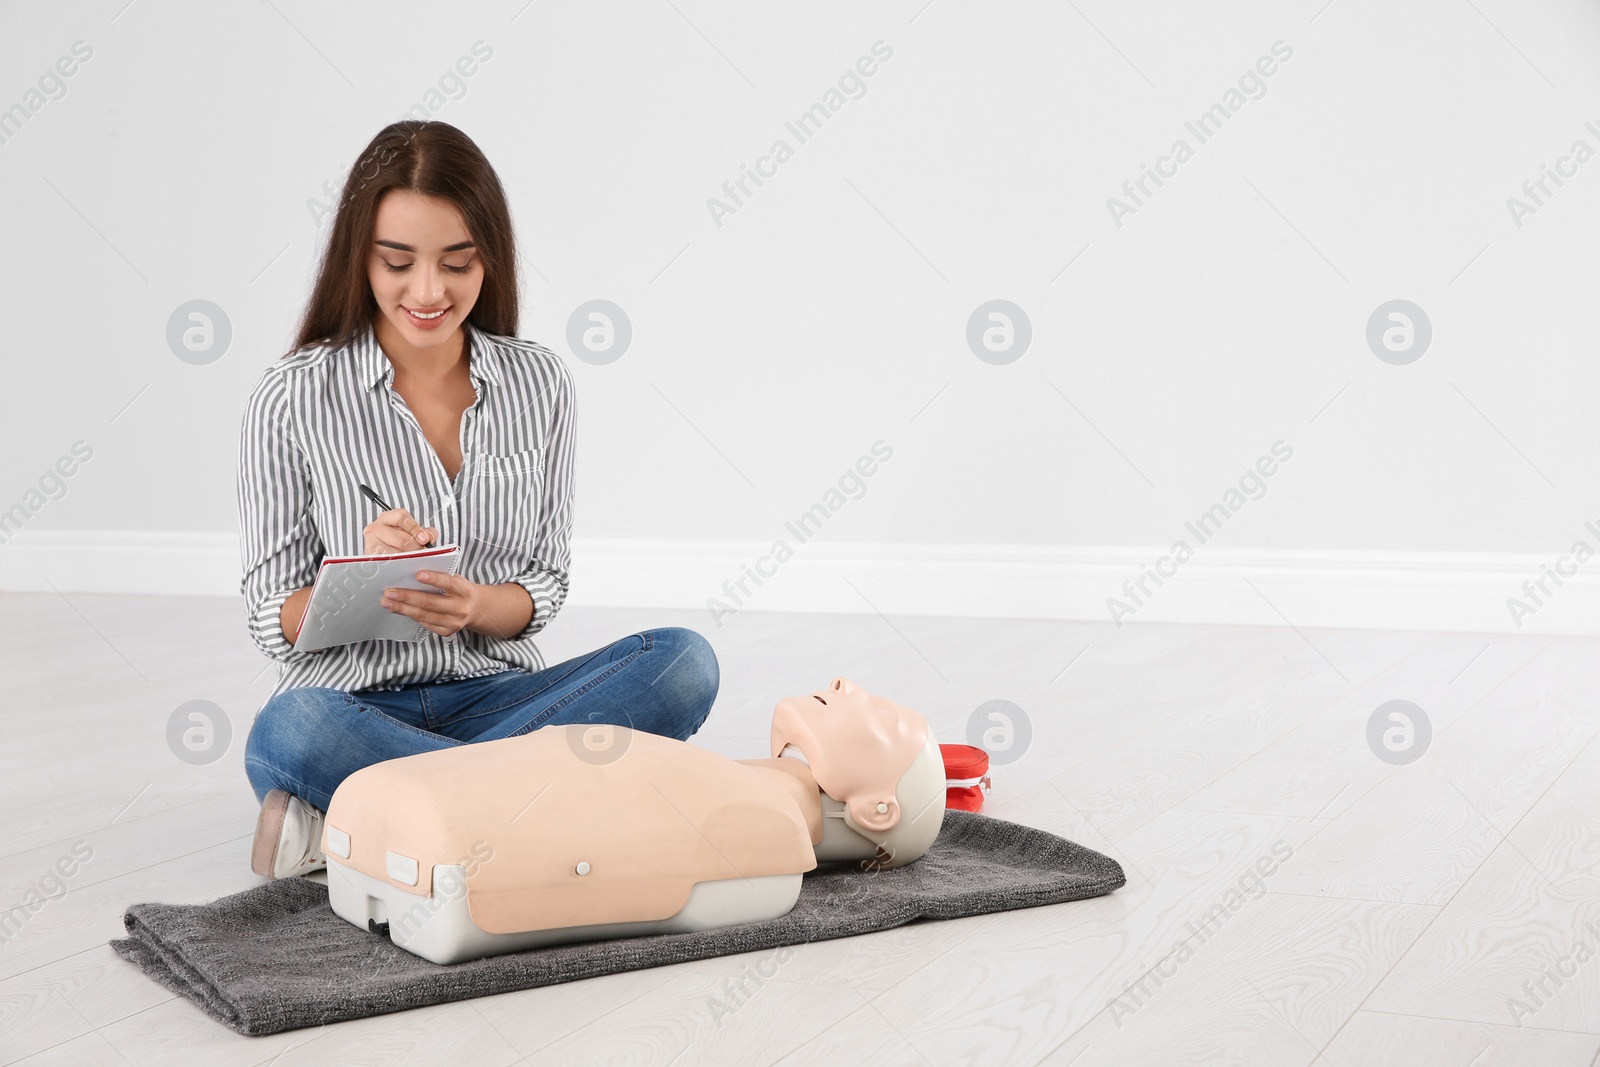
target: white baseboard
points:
(1459, 592)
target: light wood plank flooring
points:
(1442, 912)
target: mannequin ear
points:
(864, 810)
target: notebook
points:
(347, 598)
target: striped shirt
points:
(326, 418)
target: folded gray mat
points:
(277, 957)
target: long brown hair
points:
(434, 159)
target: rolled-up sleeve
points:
(279, 545)
(548, 573)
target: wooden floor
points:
(1417, 908)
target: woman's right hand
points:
(396, 531)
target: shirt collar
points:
(483, 363)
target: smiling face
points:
(425, 272)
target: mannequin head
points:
(858, 745)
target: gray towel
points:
(276, 957)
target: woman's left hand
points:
(445, 612)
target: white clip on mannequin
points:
(577, 833)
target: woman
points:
(407, 376)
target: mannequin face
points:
(422, 261)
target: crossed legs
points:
(307, 740)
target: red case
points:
(966, 769)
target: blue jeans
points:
(308, 739)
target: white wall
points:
(1227, 313)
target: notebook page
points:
(346, 600)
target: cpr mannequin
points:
(583, 832)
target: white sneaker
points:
(288, 837)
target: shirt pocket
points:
(504, 498)
(528, 461)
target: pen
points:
(370, 495)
